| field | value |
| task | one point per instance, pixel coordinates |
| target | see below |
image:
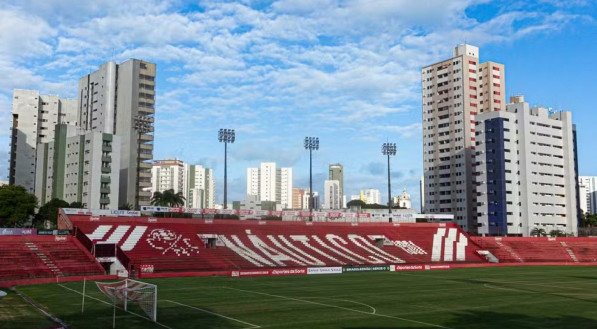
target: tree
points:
(167, 199)
(589, 220)
(555, 233)
(16, 205)
(538, 232)
(47, 215)
(76, 204)
(355, 203)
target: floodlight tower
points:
(143, 125)
(311, 143)
(226, 136)
(389, 149)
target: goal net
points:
(123, 293)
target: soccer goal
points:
(123, 293)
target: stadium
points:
(127, 269)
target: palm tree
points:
(538, 232)
(168, 199)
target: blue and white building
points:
(525, 172)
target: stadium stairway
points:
(34, 257)
(186, 245)
(540, 249)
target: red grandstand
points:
(149, 246)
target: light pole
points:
(226, 136)
(311, 143)
(389, 149)
(143, 125)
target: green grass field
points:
(516, 297)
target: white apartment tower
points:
(111, 100)
(526, 175)
(370, 196)
(332, 198)
(195, 182)
(200, 187)
(168, 175)
(269, 183)
(588, 194)
(34, 118)
(455, 91)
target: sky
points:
(347, 72)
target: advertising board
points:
(324, 270)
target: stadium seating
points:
(540, 249)
(30, 257)
(171, 245)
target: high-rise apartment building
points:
(269, 183)
(316, 203)
(332, 198)
(588, 194)
(455, 91)
(526, 176)
(34, 118)
(336, 172)
(297, 197)
(370, 196)
(79, 166)
(112, 100)
(195, 182)
(168, 175)
(200, 187)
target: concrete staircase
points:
(44, 258)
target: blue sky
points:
(277, 71)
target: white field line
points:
(212, 313)
(103, 301)
(344, 300)
(338, 307)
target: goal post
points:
(143, 294)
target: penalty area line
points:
(213, 313)
(339, 307)
(118, 307)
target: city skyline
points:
(282, 71)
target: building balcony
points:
(145, 165)
(146, 110)
(146, 138)
(106, 170)
(147, 147)
(107, 148)
(105, 190)
(104, 200)
(145, 174)
(105, 179)
(146, 156)
(106, 158)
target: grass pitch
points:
(506, 297)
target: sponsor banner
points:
(363, 215)
(334, 214)
(155, 209)
(102, 212)
(418, 267)
(275, 213)
(245, 212)
(53, 232)
(319, 214)
(60, 238)
(242, 273)
(152, 220)
(349, 215)
(178, 210)
(260, 212)
(366, 268)
(195, 211)
(210, 211)
(324, 270)
(290, 213)
(304, 213)
(289, 271)
(227, 211)
(18, 231)
(146, 268)
(399, 268)
(437, 267)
